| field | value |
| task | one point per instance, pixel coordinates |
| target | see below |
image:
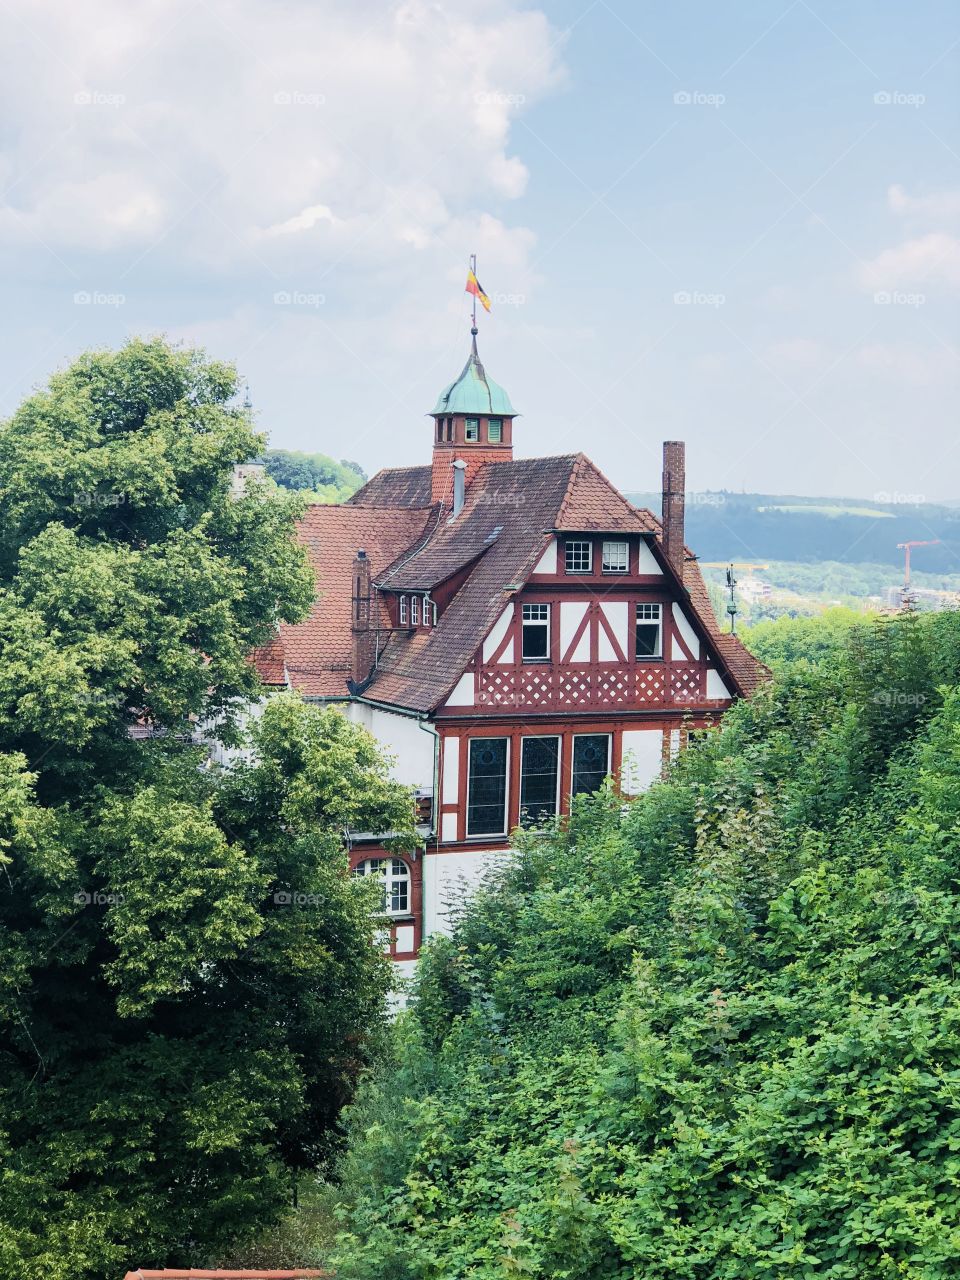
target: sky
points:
(736, 225)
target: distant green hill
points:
(763, 526)
(319, 478)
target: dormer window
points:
(414, 611)
(494, 430)
(403, 611)
(616, 557)
(471, 430)
(579, 557)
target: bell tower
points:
(472, 424)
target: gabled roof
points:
(511, 509)
(317, 653)
(397, 487)
(592, 504)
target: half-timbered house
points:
(513, 631)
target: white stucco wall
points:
(642, 759)
(402, 738)
(449, 878)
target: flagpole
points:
(473, 268)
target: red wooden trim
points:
(513, 780)
(462, 788)
(512, 633)
(678, 636)
(614, 642)
(567, 659)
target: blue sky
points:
(738, 225)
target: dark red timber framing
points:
(422, 579)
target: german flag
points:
(474, 286)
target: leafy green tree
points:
(709, 1035)
(314, 473)
(187, 984)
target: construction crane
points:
(905, 547)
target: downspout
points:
(423, 724)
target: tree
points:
(314, 473)
(187, 984)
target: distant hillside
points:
(316, 476)
(764, 526)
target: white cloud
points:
(943, 204)
(930, 260)
(242, 130)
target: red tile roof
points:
(511, 509)
(398, 487)
(269, 662)
(317, 652)
(592, 504)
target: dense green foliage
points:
(187, 985)
(314, 475)
(714, 1035)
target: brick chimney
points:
(363, 636)
(674, 482)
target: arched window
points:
(395, 874)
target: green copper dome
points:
(474, 392)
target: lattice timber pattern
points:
(590, 686)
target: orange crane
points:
(905, 548)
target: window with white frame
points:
(494, 430)
(471, 429)
(591, 762)
(403, 611)
(415, 611)
(649, 631)
(579, 557)
(395, 883)
(487, 787)
(535, 633)
(539, 775)
(616, 557)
